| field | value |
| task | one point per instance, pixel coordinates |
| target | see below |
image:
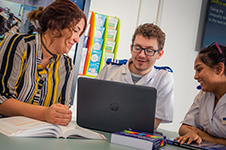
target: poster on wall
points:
(13, 15)
(215, 26)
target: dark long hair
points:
(211, 55)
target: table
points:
(17, 143)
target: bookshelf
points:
(102, 43)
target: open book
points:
(20, 126)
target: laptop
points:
(113, 106)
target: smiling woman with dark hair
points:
(206, 119)
(35, 73)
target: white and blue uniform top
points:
(160, 78)
(203, 116)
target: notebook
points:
(113, 106)
(203, 146)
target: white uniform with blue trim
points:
(201, 114)
(158, 78)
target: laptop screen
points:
(112, 106)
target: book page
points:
(75, 131)
(20, 126)
(23, 126)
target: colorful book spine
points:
(138, 139)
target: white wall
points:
(179, 20)
(127, 12)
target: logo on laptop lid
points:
(114, 106)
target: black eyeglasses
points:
(148, 51)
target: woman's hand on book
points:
(188, 134)
(189, 137)
(58, 114)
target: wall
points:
(179, 20)
(127, 11)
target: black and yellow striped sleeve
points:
(13, 55)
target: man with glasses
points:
(147, 47)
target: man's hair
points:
(149, 30)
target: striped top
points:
(22, 78)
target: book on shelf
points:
(203, 146)
(137, 139)
(20, 126)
